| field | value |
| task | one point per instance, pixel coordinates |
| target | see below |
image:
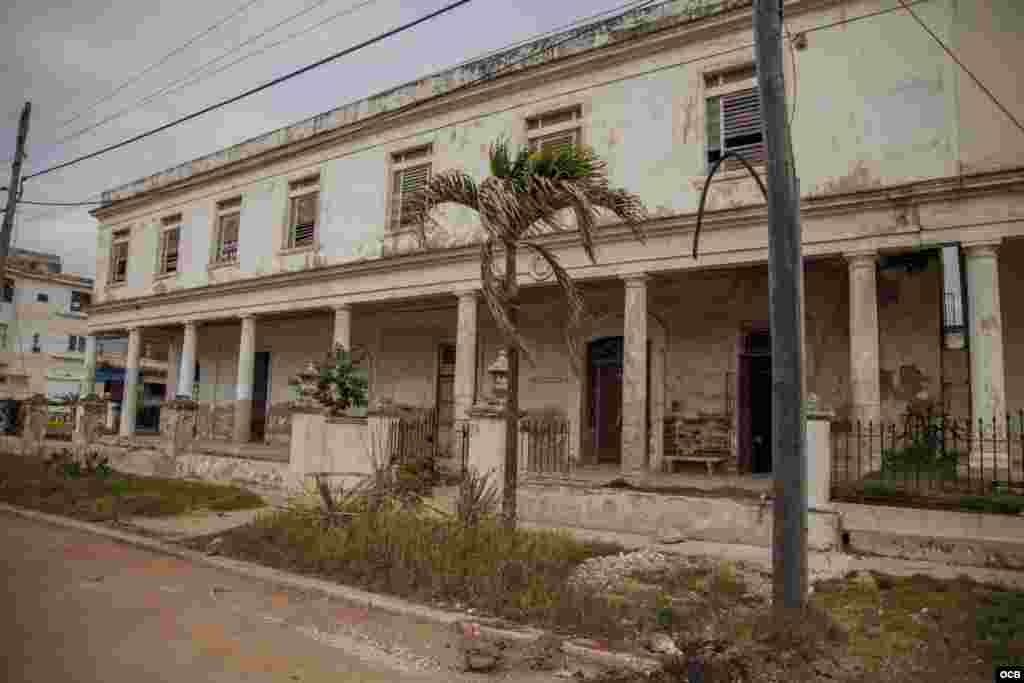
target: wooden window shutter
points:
(120, 262)
(170, 251)
(555, 142)
(304, 210)
(228, 247)
(741, 125)
(408, 182)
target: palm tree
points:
(522, 201)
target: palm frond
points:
(498, 301)
(447, 187)
(573, 298)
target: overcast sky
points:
(65, 55)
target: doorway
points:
(260, 395)
(755, 410)
(445, 399)
(605, 376)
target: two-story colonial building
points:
(252, 260)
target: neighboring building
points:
(42, 327)
(252, 259)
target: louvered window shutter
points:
(555, 142)
(229, 237)
(408, 182)
(170, 251)
(304, 210)
(741, 125)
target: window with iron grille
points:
(80, 301)
(42, 297)
(409, 176)
(169, 239)
(734, 117)
(3, 336)
(36, 348)
(303, 207)
(8, 294)
(229, 217)
(119, 256)
(554, 130)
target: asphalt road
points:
(78, 607)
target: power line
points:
(163, 60)
(739, 48)
(181, 83)
(25, 201)
(963, 66)
(252, 91)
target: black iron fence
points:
(544, 447)
(412, 438)
(462, 432)
(930, 457)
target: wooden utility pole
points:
(509, 495)
(13, 190)
(789, 544)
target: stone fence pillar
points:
(487, 442)
(307, 451)
(819, 458)
(177, 425)
(92, 412)
(37, 414)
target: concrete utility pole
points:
(13, 190)
(789, 545)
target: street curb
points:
(386, 603)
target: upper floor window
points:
(80, 301)
(170, 234)
(8, 290)
(303, 207)
(3, 336)
(119, 255)
(734, 116)
(229, 217)
(42, 297)
(36, 348)
(555, 130)
(76, 342)
(410, 174)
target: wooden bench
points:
(710, 461)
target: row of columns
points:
(985, 330)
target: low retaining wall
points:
(666, 518)
(962, 538)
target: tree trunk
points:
(508, 502)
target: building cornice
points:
(56, 278)
(812, 208)
(641, 44)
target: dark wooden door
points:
(445, 399)
(260, 395)
(606, 398)
(755, 409)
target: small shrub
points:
(477, 499)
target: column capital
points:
(974, 250)
(635, 279)
(192, 322)
(861, 259)
(471, 293)
(246, 316)
(341, 307)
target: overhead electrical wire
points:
(183, 82)
(252, 91)
(160, 62)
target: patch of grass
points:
(109, 495)
(521, 576)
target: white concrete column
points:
(243, 388)
(89, 373)
(985, 327)
(865, 382)
(173, 358)
(819, 457)
(187, 373)
(634, 378)
(465, 354)
(343, 326)
(131, 382)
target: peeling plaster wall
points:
(910, 332)
(1011, 283)
(895, 120)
